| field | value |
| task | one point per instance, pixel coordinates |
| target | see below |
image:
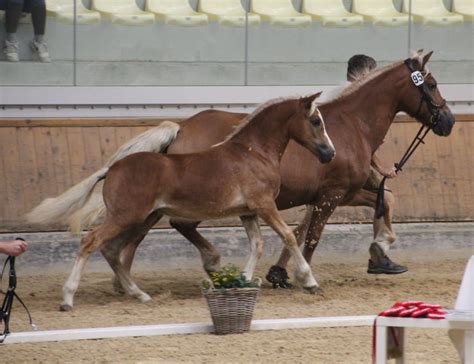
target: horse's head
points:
(422, 99)
(308, 129)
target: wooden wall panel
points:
(436, 183)
(42, 158)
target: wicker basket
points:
(231, 308)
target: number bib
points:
(417, 78)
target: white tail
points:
(75, 206)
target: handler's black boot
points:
(380, 263)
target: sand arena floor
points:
(175, 290)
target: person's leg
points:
(12, 18)
(38, 16)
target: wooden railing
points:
(41, 158)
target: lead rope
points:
(6, 309)
(380, 208)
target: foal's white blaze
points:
(314, 110)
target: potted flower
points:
(231, 299)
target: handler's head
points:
(358, 66)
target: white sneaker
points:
(11, 50)
(41, 49)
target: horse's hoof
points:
(64, 307)
(314, 290)
(144, 298)
(385, 266)
(278, 277)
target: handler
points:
(359, 66)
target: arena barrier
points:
(180, 329)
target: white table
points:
(383, 325)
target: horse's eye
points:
(315, 121)
(432, 86)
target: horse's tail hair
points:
(79, 206)
(58, 209)
(93, 210)
(155, 140)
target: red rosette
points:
(429, 305)
(407, 312)
(436, 316)
(421, 312)
(411, 303)
(392, 311)
(397, 304)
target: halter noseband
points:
(433, 107)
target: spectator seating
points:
(280, 13)
(465, 8)
(431, 12)
(125, 12)
(331, 13)
(63, 10)
(380, 12)
(227, 12)
(175, 12)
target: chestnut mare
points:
(238, 177)
(357, 121)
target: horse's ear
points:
(308, 100)
(426, 58)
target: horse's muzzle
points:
(444, 124)
(325, 153)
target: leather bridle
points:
(434, 109)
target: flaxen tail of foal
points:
(79, 206)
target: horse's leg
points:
(127, 252)
(89, 244)
(254, 234)
(210, 256)
(320, 213)
(303, 272)
(277, 275)
(111, 252)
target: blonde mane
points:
(252, 115)
(357, 84)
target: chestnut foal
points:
(238, 177)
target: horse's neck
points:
(267, 132)
(371, 109)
